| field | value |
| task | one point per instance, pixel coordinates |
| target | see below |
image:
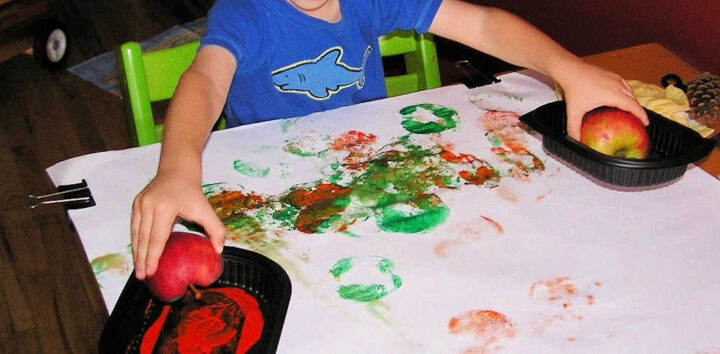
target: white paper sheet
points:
(538, 261)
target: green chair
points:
(152, 76)
(420, 56)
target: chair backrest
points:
(421, 63)
(147, 77)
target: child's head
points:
(309, 5)
(328, 10)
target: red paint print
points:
(451, 157)
(318, 205)
(479, 172)
(486, 326)
(353, 141)
(357, 144)
(234, 202)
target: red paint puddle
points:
(488, 328)
(478, 229)
(222, 320)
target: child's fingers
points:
(632, 106)
(163, 220)
(134, 229)
(214, 228)
(143, 240)
(574, 121)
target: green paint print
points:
(365, 279)
(287, 124)
(426, 118)
(110, 262)
(422, 213)
(250, 170)
(310, 144)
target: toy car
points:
(30, 23)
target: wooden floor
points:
(49, 300)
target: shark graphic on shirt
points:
(321, 77)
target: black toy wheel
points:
(51, 44)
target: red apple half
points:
(615, 132)
(188, 259)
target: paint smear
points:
(488, 328)
(508, 141)
(113, 262)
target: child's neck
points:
(326, 10)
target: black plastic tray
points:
(258, 275)
(672, 147)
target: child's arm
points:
(505, 36)
(176, 189)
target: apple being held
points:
(615, 132)
(187, 260)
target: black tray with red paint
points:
(672, 147)
(256, 274)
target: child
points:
(269, 59)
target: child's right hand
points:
(154, 211)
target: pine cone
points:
(703, 93)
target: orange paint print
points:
(488, 328)
(562, 291)
(480, 228)
(566, 300)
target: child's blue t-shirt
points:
(290, 64)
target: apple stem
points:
(196, 292)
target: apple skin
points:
(188, 259)
(615, 132)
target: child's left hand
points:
(587, 87)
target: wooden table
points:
(649, 63)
